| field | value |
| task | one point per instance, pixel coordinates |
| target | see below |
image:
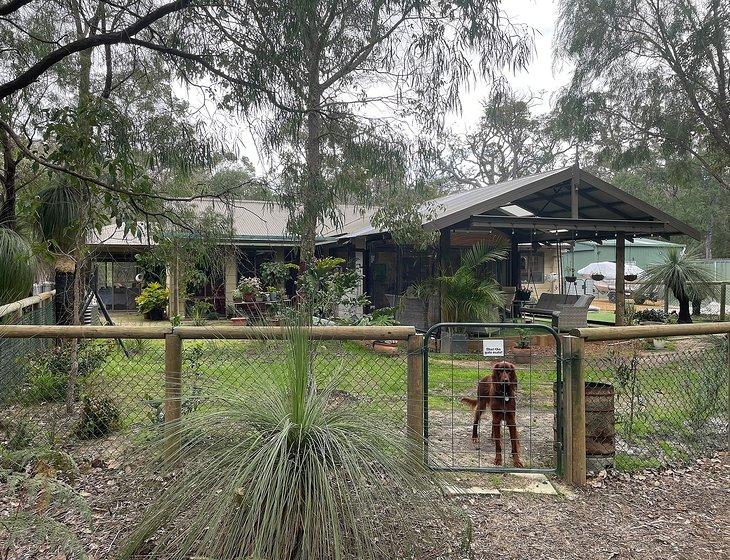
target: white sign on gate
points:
(493, 347)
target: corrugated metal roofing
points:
(251, 220)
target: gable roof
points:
(546, 197)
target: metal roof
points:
(253, 222)
(525, 202)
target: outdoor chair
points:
(566, 311)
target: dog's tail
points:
(470, 402)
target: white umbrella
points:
(608, 269)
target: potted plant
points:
(571, 278)
(152, 301)
(522, 350)
(237, 296)
(250, 288)
(273, 294)
(630, 277)
(467, 297)
(597, 276)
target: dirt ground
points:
(681, 514)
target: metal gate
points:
(463, 361)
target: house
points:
(535, 217)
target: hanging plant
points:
(571, 278)
(630, 277)
(597, 277)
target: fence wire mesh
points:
(120, 393)
(656, 403)
(518, 414)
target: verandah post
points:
(173, 393)
(415, 391)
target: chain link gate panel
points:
(465, 379)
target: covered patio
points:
(538, 214)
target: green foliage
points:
(274, 273)
(684, 274)
(523, 340)
(47, 370)
(383, 317)
(285, 473)
(200, 312)
(652, 315)
(99, 417)
(327, 283)
(467, 297)
(19, 434)
(153, 297)
(17, 266)
(706, 397)
(249, 286)
(35, 458)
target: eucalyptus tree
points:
(324, 70)
(510, 140)
(650, 71)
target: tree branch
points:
(12, 6)
(39, 68)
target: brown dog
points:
(497, 391)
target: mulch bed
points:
(673, 514)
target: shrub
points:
(47, 371)
(99, 417)
(653, 315)
(153, 298)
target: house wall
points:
(549, 276)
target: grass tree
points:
(684, 274)
(17, 266)
(288, 472)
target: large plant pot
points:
(155, 315)
(454, 343)
(522, 355)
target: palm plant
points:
(467, 297)
(17, 266)
(684, 274)
(289, 473)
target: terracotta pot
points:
(385, 347)
(240, 321)
(249, 297)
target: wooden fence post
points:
(578, 411)
(173, 393)
(415, 393)
(723, 301)
(566, 402)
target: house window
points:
(532, 268)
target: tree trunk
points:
(684, 316)
(696, 307)
(7, 206)
(312, 201)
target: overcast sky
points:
(540, 77)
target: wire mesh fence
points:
(656, 403)
(480, 416)
(11, 370)
(119, 399)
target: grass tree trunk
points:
(684, 314)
